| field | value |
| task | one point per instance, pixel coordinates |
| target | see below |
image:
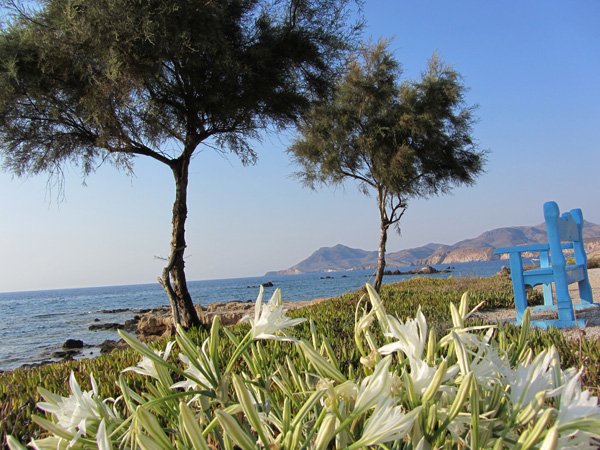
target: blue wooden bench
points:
(564, 232)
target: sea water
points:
(36, 324)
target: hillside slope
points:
(481, 248)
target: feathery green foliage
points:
(84, 83)
(401, 140)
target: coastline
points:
(155, 323)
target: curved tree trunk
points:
(173, 277)
(385, 224)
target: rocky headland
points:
(342, 258)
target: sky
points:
(533, 67)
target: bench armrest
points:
(530, 248)
(523, 248)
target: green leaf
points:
(234, 431)
(192, 428)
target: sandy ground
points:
(591, 330)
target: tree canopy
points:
(83, 82)
(401, 139)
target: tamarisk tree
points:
(399, 139)
(84, 82)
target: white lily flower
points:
(197, 379)
(375, 388)
(365, 322)
(147, 367)
(575, 441)
(488, 367)
(411, 336)
(73, 413)
(421, 375)
(527, 380)
(576, 404)
(346, 391)
(387, 423)
(270, 319)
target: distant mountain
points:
(481, 248)
(335, 258)
(408, 257)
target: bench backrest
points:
(567, 227)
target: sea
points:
(35, 325)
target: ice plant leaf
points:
(235, 432)
(378, 307)
(190, 424)
(151, 425)
(321, 364)
(147, 443)
(551, 439)
(102, 438)
(326, 432)
(249, 409)
(13, 444)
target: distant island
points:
(342, 258)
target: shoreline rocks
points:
(129, 325)
(158, 323)
(427, 270)
(71, 344)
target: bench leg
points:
(548, 298)
(585, 291)
(566, 315)
(516, 273)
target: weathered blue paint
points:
(564, 232)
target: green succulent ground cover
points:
(593, 260)
(334, 319)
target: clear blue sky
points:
(534, 69)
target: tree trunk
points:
(385, 224)
(173, 277)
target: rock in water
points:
(104, 326)
(427, 270)
(72, 344)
